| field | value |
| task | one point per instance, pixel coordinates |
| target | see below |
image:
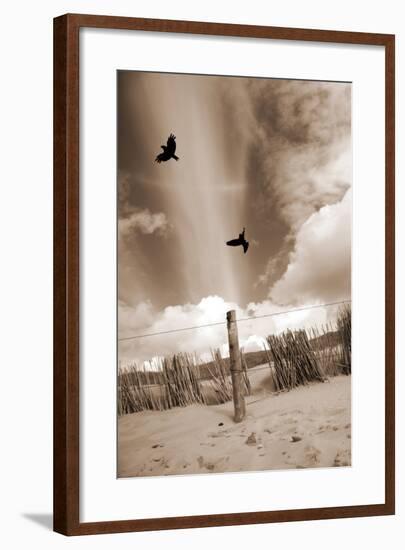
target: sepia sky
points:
(271, 155)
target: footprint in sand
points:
(251, 440)
(342, 458)
(162, 462)
(295, 438)
(311, 457)
(208, 465)
(328, 428)
(221, 433)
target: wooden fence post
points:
(236, 367)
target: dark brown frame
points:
(66, 273)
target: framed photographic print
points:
(223, 274)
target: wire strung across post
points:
(236, 321)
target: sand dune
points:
(308, 427)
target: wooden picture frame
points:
(66, 273)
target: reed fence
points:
(293, 357)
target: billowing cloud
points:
(301, 158)
(305, 139)
(319, 268)
(144, 221)
(143, 319)
(161, 331)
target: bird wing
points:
(171, 144)
(245, 246)
(234, 242)
(160, 157)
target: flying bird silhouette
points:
(240, 241)
(168, 150)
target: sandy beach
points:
(308, 427)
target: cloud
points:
(319, 268)
(144, 221)
(144, 320)
(302, 156)
(305, 139)
(304, 183)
